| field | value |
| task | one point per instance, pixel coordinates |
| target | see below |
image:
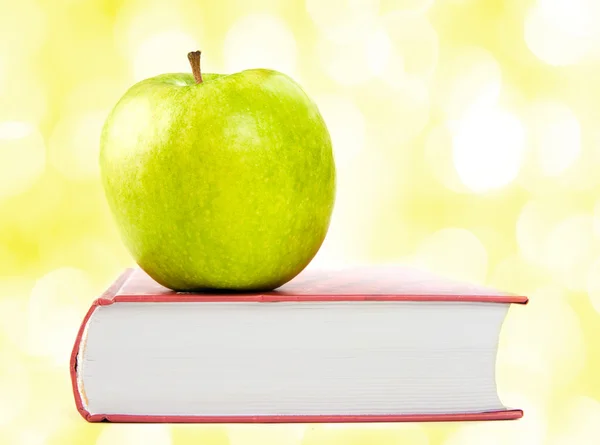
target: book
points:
(363, 344)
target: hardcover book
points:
(367, 344)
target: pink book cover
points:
(381, 283)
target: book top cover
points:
(385, 283)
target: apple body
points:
(225, 184)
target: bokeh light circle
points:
(545, 340)
(74, 147)
(488, 147)
(554, 137)
(346, 125)
(13, 314)
(578, 421)
(396, 114)
(593, 284)
(1, 76)
(414, 6)
(164, 52)
(401, 45)
(57, 304)
(14, 388)
(468, 77)
(142, 26)
(358, 434)
(438, 155)
(569, 250)
(23, 97)
(344, 20)
(532, 228)
(260, 41)
(414, 42)
(350, 64)
(378, 49)
(24, 14)
(260, 435)
(563, 32)
(456, 253)
(113, 434)
(22, 157)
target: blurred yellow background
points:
(467, 142)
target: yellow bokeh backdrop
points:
(467, 140)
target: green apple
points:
(219, 181)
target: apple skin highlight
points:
(227, 183)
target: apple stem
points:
(194, 58)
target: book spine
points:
(105, 299)
(73, 363)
